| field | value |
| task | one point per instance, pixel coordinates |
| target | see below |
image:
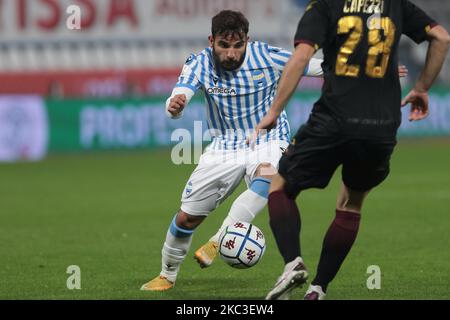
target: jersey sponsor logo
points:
(225, 91)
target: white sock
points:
(175, 249)
(245, 208)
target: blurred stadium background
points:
(103, 87)
(70, 97)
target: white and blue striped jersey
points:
(238, 100)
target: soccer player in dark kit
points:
(354, 123)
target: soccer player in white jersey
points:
(239, 80)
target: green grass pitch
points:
(108, 213)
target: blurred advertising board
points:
(31, 126)
(105, 83)
(23, 128)
(142, 123)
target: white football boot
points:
(314, 293)
(295, 275)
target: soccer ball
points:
(241, 245)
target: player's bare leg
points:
(245, 208)
(338, 241)
(285, 223)
(350, 201)
(176, 246)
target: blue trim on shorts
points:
(305, 73)
(178, 232)
(261, 186)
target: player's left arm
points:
(437, 52)
(420, 27)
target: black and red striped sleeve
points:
(313, 27)
(416, 23)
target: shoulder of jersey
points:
(191, 58)
(196, 57)
(257, 44)
(275, 49)
(312, 3)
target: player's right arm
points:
(290, 78)
(186, 87)
(420, 27)
(176, 103)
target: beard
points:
(228, 65)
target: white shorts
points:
(219, 172)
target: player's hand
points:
(419, 104)
(177, 104)
(267, 123)
(402, 71)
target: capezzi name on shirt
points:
(364, 6)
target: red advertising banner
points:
(108, 83)
(107, 19)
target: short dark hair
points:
(228, 22)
